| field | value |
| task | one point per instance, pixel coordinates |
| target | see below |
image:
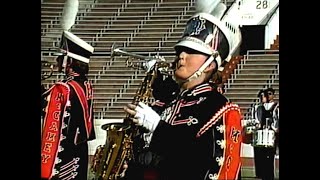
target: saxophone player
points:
(198, 134)
(68, 117)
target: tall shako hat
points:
(72, 46)
(207, 33)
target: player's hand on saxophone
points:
(143, 115)
(124, 169)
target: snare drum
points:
(264, 138)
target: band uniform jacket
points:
(199, 136)
(266, 114)
(67, 126)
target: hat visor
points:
(198, 47)
(77, 57)
(194, 45)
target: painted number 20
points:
(262, 4)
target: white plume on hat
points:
(213, 7)
(69, 14)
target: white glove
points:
(146, 117)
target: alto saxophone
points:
(109, 159)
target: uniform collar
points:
(75, 76)
(198, 89)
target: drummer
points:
(252, 124)
(264, 155)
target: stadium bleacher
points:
(147, 28)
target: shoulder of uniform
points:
(218, 97)
(228, 107)
(61, 84)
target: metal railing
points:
(110, 22)
(269, 83)
(175, 24)
(127, 43)
(142, 23)
(84, 7)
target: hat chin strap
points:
(201, 69)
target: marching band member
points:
(273, 108)
(256, 114)
(68, 120)
(266, 116)
(198, 134)
(252, 123)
